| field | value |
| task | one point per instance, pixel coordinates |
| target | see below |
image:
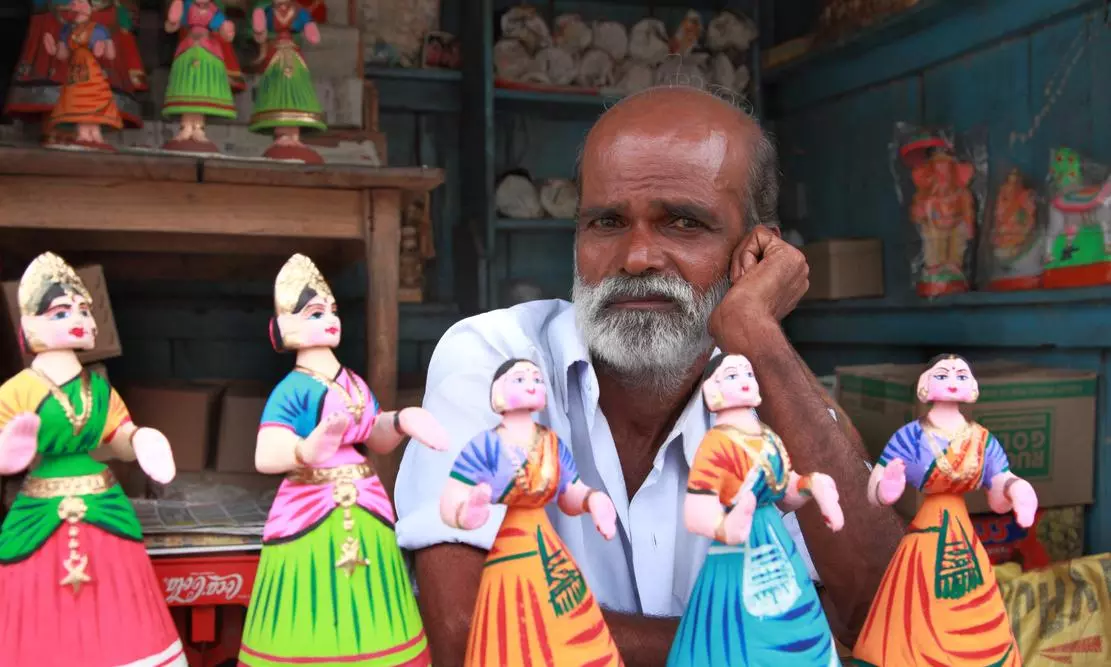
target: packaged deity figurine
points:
(332, 586)
(285, 99)
(553, 619)
(85, 101)
(79, 588)
(753, 603)
(1078, 241)
(39, 75)
(943, 209)
(200, 81)
(939, 603)
(1015, 259)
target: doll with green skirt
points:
(200, 84)
(332, 587)
(285, 99)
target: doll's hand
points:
(476, 509)
(325, 439)
(18, 443)
(227, 31)
(171, 25)
(738, 522)
(604, 515)
(63, 51)
(98, 49)
(1025, 502)
(419, 424)
(154, 455)
(893, 483)
(824, 491)
(49, 44)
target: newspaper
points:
(244, 516)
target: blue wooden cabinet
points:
(982, 65)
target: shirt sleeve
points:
(100, 33)
(995, 461)
(457, 394)
(568, 471)
(303, 19)
(21, 393)
(218, 19)
(478, 461)
(715, 463)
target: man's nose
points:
(642, 251)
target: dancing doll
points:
(85, 101)
(753, 603)
(938, 603)
(285, 100)
(332, 586)
(200, 83)
(78, 586)
(534, 607)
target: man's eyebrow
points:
(595, 212)
(688, 210)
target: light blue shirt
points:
(652, 562)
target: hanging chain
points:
(1056, 83)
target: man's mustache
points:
(624, 288)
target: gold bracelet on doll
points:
(805, 486)
(459, 515)
(586, 501)
(297, 454)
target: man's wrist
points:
(741, 335)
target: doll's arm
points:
(278, 449)
(465, 506)
(703, 514)
(18, 442)
(798, 492)
(1007, 491)
(820, 487)
(579, 498)
(173, 16)
(390, 428)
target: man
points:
(675, 250)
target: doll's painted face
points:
(520, 388)
(66, 323)
(80, 10)
(317, 324)
(733, 385)
(951, 381)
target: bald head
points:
(689, 115)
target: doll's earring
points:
(923, 393)
(975, 395)
(23, 347)
(275, 335)
(497, 402)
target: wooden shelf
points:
(1073, 318)
(534, 225)
(413, 90)
(551, 104)
(412, 73)
(891, 29)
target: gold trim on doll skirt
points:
(64, 487)
(351, 472)
(346, 495)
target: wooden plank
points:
(173, 266)
(42, 162)
(145, 206)
(980, 24)
(347, 177)
(34, 241)
(383, 248)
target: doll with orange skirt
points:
(534, 607)
(86, 102)
(938, 603)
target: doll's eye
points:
(941, 376)
(750, 374)
(731, 376)
(59, 315)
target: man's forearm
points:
(851, 563)
(643, 641)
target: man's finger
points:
(751, 250)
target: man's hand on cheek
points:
(769, 277)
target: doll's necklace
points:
(954, 439)
(77, 421)
(356, 405)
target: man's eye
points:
(604, 223)
(687, 223)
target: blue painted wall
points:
(987, 67)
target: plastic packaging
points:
(941, 181)
(1078, 238)
(1012, 242)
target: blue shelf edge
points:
(411, 73)
(531, 97)
(965, 300)
(906, 22)
(534, 225)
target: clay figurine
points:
(1017, 264)
(944, 212)
(38, 77)
(753, 602)
(938, 603)
(332, 586)
(200, 82)
(79, 588)
(85, 101)
(285, 100)
(552, 618)
(1078, 242)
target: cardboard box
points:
(1045, 418)
(130, 476)
(844, 269)
(184, 412)
(107, 338)
(240, 415)
(1057, 535)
